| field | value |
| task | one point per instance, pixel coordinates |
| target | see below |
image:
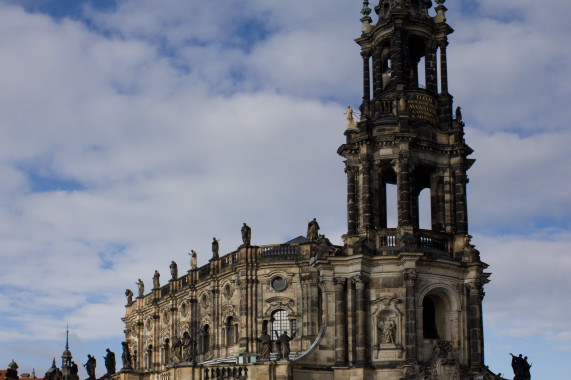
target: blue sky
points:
(135, 130)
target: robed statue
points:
(265, 345)
(215, 248)
(312, 230)
(90, 367)
(126, 357)
(110, 362)
(141, 285)
(246, 234)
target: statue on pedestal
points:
(110, 362)
(174, 271)
(126, 356)
(246, 234)
(312, 230)
(156, 283)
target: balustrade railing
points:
(225, 373)
(279, 252)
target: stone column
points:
(404, 189)
(351, 200)
(361, 317)
(377, 74)
(476, 334)
(243, 285)
(437, 200)
(397, 52)
(461, 206)
(340, 321)
(443, 68)
(430, 68)
(366, 76)
(410, 276)
(365, 193)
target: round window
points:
(279, 284)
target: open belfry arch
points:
(395, 301)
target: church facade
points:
(391, 302)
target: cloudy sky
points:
(132, 131)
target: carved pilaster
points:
(340, 320)
(360, 282)
(410, 276)
(351, 199)
(476, 294)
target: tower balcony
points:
(392, 241)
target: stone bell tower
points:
(425, 284)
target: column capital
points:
(410, 275)
(326, 284)
(366, 54)
(339, 281)
(476, 288)
(360, 280)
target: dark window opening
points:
(429, 319)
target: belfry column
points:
(365, 194)
(430, 68)
(351, 200)
(366, 76)
(404, 190)
(461, 206)
(476, 295)
(340, 321)
(361, 317)
(443, 68)
(410, 276)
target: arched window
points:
(279, 323)
(230, 331)
(205, 339)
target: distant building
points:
(390, 303)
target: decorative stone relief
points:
(204, 301)
(228, 291)
(276, 303)
(166, 317)
(183, 309)
(228, 311)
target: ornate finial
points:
(67, 337)
(440, 2)
(365, 11)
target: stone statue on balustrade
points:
(174, 271)
(110, 362)
(265, 346)
(126, 356)
(246, 235)
(141, 286)
(129, 294)
(90, 367)
(313, 230)
(156, 282)
(283, 345)
(193, 259)
(215, 248)
(521, 367)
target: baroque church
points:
(397, 303)
(390, 303)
